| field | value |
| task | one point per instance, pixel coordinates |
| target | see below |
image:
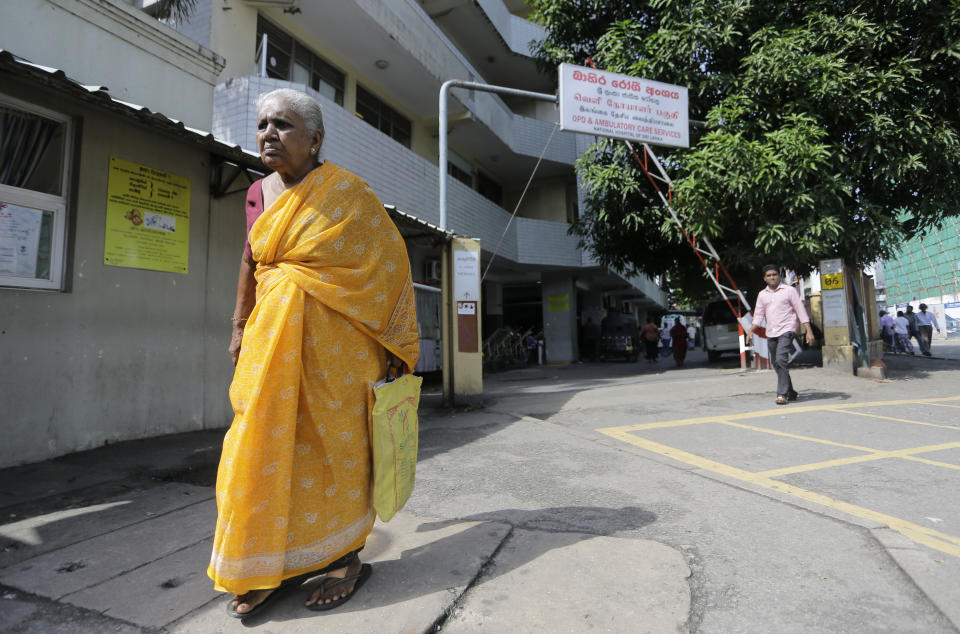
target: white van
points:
(720, 332)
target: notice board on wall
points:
(148, 218)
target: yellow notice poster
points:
(558, 303)
(148, 218)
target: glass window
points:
(383, 117)
(459, 174)
(291, 60)
(33, 156)
(489, 188)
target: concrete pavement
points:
(528, 516)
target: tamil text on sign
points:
(623, 107)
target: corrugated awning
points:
(99, 96)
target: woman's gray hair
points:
(301, 103)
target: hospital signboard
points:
(623, 107)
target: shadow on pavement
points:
(399, 580)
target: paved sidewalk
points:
(525, 519)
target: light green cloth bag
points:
(395, 430)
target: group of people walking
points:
(677, 338)
(897, 333)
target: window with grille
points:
(489, 188)
(34, 161)
(382, 117)
(291, 60)
(460, 174)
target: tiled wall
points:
(402, 178)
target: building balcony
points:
(399, 176)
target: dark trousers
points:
(926, 334)
(780, 350)
(653, 349)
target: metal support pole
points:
(470, 85)
(448, 369)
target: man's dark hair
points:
(771, 267)
(899, 313)
(923, 306)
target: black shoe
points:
(792, 395)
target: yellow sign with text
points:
(148, 218)
(558, 303)
(831, 281)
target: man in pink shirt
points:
(780, 305)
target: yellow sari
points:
(333, 291)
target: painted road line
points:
(915, 532)
(899, 420)
(935, 463)
(944, 405)
(908, 454)
(786, 434)
(793, 409)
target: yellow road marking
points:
(899, 420)
(777, 412)
(920, 534)
(876, 454)
(777, 432)
(936, 463)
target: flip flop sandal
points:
(781, 400)
(286, 584)
(365, 571)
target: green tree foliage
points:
(831, 127)
(176, 10)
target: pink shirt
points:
(780, 308)
(254, 209)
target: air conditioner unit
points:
(433, 271)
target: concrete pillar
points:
(559, 291)
(462, 328)
(838, 354)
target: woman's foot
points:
(244, 604)
(331, 589)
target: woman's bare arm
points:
(246, 298)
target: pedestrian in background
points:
(913, 332)
(678, 338)
(651, 338)
(780, 305)
(691, 336)
(926, 322)
(665, 339)
(901, 326)
(591, 340)
(889, 337)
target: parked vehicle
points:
(619, 337)
(720, 332)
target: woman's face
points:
(286, 146)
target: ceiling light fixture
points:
(381, 64)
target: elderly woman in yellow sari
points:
(325, 304)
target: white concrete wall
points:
(106, 42)
(123, 353)
(514, 30)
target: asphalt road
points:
(607, 497)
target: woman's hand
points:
(235, 340)
(394, 362)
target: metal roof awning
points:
(99, 96)
(412, 227)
